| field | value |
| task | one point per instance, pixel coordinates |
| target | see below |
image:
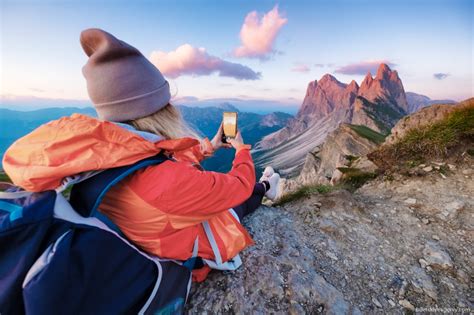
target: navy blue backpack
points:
(60, 257)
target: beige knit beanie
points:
(122, 84)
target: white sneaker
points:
(273, 179)
(267, 173)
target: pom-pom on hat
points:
(122, 84)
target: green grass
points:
(354, 178)
(437, 140)
(368, 133)
(304, 191)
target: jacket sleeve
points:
(202, 194)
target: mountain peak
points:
(386, 85)
(383, 71)
(328, 81)
(228, 106)
(353, 85)
(325, 96)
(367, 82)
(328, 77)
(368, 78)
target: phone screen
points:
(230, 124)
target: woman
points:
(166, 209)
(142, 205)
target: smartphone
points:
(229, 124)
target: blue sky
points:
(41, 55)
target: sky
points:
(264, 51)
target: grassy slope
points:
(437, 140)
(303, 191)
(368, 133)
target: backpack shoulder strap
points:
(87, 195)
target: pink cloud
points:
(189, 60)
(363, 67)
(300, 68)
(258, 34)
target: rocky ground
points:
(396, 245)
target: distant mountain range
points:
(418, 101)
(378, 104)
(15, 124)
(244, 103)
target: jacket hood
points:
(71, 145)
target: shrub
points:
(368, 133)
(354, 178)
(351, 159)
(302, 192)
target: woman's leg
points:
(254, 201)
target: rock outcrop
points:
(377, 104)
(361, 116)
(340, 148)
(425, 116)
(327, 96)
(386, 87)
(289, 148)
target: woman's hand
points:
(236, 142)
(217, 140)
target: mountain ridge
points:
(378, 103)
(418, 101)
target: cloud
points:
(258, 34)
(322, 65)
(37, 90)
(301, 68)
(189, 60)
(440, 75)
(363, 67)
(185, 99)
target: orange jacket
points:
(160, 208)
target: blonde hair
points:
(166, 122)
